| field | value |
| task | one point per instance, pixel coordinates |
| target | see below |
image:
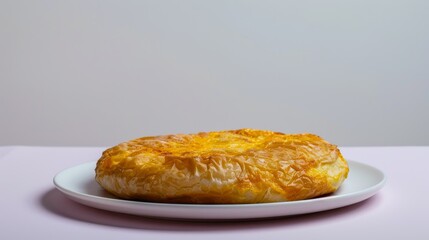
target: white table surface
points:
(31, 208)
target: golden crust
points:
(237, 166)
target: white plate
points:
(79, 185)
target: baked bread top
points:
(236, 166)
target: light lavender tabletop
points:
(31, 207)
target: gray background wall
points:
(98, 73)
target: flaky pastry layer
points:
(237, 166)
